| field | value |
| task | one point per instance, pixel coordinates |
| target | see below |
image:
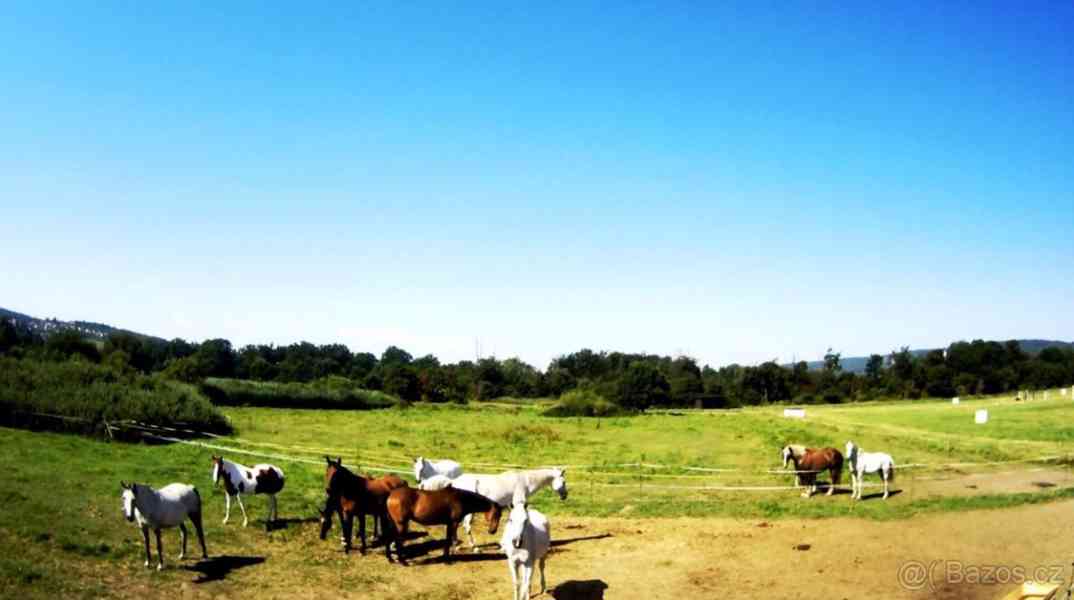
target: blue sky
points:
(737, 184)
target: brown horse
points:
(350, 495)
(440, 507)
(813, 461)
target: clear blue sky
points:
(737, 184)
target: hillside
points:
(856, 364)
(46, 327)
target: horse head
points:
(492, 516)
(218, 468)
(419, 468)
(129, 496)
(787, 455)
(516, 524)
(559, 482)
(852, 450)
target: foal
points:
(164, 508)
(238, 480)
(350, 495)
(441, 507)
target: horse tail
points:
(197, 497)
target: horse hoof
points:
(160, 567)
(147, 564)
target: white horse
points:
(868, 462)
(501, 488)
(258, 479)
(164, 508)
(526, 540)
(424, 469)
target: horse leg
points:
(527, 575)
(245, 519)
(361, 531)
(195, 517)
(541, 563)
(182, 537)
(400, 534)
(227, 507)
(831, 484)
(469, 532)
(514, 577)
(884, 473)
(345, 524)
(450, 535)
(145, 536)
(160, 551)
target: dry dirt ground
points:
(973, 555)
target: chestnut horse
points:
(445, 507)
(812, 462)
(350, 495)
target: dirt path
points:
(683, 558)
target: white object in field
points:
(1063, 391)
(981, 416)
(794, 413)
(955, 400)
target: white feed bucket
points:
(955, 400)
(981, 416)
(794, 413)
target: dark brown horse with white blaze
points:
(350, 495)
(811, 462)
(441, 507)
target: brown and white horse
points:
(238, 480)
(440, 507)
(350, 495)
(812, 462)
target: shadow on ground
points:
(590, 589)
(217, 568)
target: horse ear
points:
(327, 459)
(339, 461)
(123, 484)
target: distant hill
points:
(46, 327)
(856, 364)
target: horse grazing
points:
(424, 468)
(350, 495)
(164, 508)
(238, 480)
(812, 462)
(501, 488)
(868, 462)
(526, 539)
(440, 507)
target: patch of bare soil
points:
(973, 555)
(971, 484)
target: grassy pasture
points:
(64, 534)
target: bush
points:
(91, 395)
(329, 392)
(582, 403)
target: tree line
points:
(629, 381)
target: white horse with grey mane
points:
(425, 468)
(501, 488)
(868, 462)
(526, 540)
(161, 509)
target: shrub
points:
(90, 395)
(582, 402)
(329, 392)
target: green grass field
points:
(60, 493)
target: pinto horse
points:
(813, 461)
(439, 507)
(238, 480)
(350, 495)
